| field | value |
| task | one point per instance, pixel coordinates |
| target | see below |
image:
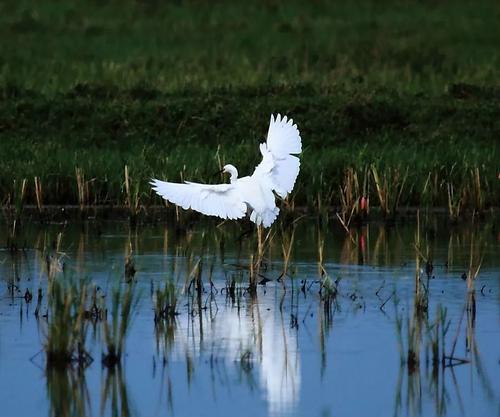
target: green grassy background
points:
(160, 86)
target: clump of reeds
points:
(96, 312)
(421, 287)
(475, 262)
(436, 351)
(129, 264)
(430, 190)
(389, 188)
(321, 247)
(322, 199)
(165, 309)
(67, 325)
(257, 258)
(409, 351)
(117, 324)
(436, 333)
(354, 199)
(328, 289)
(15, 203)
(455, 203)
(165, 305)
(287, 242)
(193, 280)
(38, 194)
(435, 357)
(476, 191)
(132, 197)
(82, 187)
(19, 195)
(198, 286)
(470, 195)
(53, 257)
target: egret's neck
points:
(233, 172)
(234, 175)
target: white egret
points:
(276, 172)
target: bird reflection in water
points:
(257, 338)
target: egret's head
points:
(230, 169)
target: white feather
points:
(278, 164)
(283, 137)
(277, 172)
(220, 200)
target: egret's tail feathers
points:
(266, 218)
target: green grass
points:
(50, 46)
(170, 134)
(159, 86)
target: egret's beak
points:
(217, 173)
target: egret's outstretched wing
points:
(283, 137)
(279, 167)
(222, 200)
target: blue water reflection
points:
(283, 351)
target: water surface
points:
(284, 351)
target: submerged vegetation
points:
(222, 298)
(117, 324)
(67, 325)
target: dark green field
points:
(171, 89)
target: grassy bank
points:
(186, 135)
(402, 97)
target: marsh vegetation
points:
(277, 318)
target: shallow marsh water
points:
(278, 353)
